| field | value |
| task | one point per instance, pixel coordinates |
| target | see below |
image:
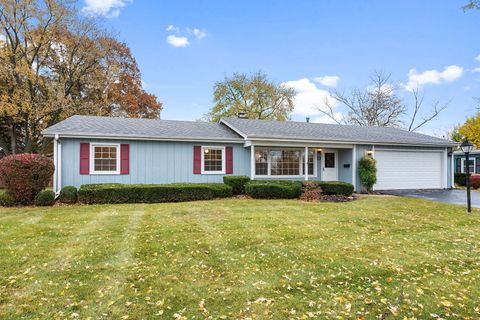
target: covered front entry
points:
(323, 162)
(410, 169)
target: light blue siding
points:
(345, 159)
(150, 162)
(168, 162)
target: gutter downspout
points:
(354, 167)
(55, 163)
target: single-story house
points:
(460, 165)
(91, 149)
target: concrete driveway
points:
(452, 196)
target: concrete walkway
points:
(452, 196)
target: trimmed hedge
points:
(460, 179)
(237, 183)
(273, 189)
(151, 193)
(5, 199)
(45, 198)
(336, 187)
(68, 194)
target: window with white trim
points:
(471, 164)
(213, 160)
(105, 159)
(287, 162)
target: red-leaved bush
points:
(25, 175)
(475, 181)
(310, 191)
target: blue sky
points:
(183, 47)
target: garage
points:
(397, 169)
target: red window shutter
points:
(197, 159)
(228, 160)
(84, 158)
(124, 159)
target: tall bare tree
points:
(256, 96)
(379, 105)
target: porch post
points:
(306, 164)
(252, 162)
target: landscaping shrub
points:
(68, 194)
(273, 189)
(310, 191)
(460, 179)
(237, 183)
(367, 169)
(5, 199)
(25, 175)
(475, 181)
(151, 193)
(336, 187)
(45, 198)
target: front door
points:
(329, 165)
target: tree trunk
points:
(13, 140)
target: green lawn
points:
(375, 257)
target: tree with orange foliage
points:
(53, 64)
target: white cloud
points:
(308, 97)
(106, 8)
(417, 80)
(476, 69)
(181, 36)
(199, 34)
(329, 81)
(477, 58)
(172, 28)
(175, 41)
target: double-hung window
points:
(105, 159)
(471, 164)
(213, 160)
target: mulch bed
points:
(337, 198)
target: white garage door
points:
(408, 170)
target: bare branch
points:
(437, 108)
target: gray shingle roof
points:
(253, 129)
(141, 128)
(261, 129)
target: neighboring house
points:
(460, 165)
(120, 150)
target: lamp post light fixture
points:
(467, 147)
